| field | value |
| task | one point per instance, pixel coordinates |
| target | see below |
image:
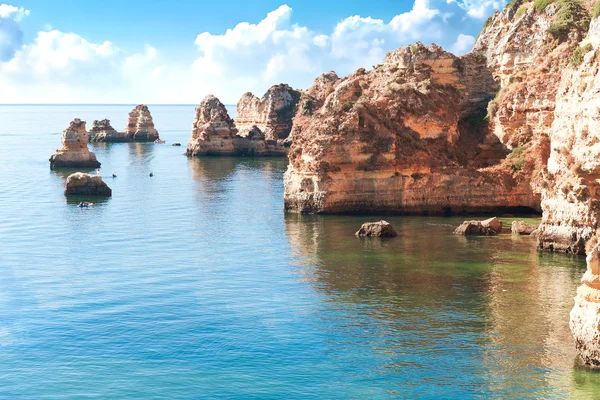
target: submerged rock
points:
(489, 227)
(74, 152)
(522, 228)
(376, 229)
(80, 183)
(585, 315)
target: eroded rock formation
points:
(74, 152)
(86, 184)
(102, 131)
(408, 136)
(140, 127)
(214, 133)
(270, 116)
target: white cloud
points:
(479, 9)
(463, 44)
(251, 56)
(11, 36)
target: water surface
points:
(195, 284)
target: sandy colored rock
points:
(74, 152)
(80, 183)
(376, 229)
(215, 134)
(488, 227)
(102, 131)
(271, 115)
(140, 126)
(522, 228)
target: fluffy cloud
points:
(11, 36)
(251, 56)
(463, 44)
(479, 9)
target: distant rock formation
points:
(488, 227)
(214, 134)
(270, 116)
(376, 229)
(74, 152)
(86, 184)
(102, 131)
(140, 127)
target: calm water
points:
(194, 284)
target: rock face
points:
(489, 227)
(521, 228)
(140, 127)
(86, 184)
(215, 134)
(102, 131)
(585, 315)
(376, 229)
(270, 116)
(410, 136)
(74, 152)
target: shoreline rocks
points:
(522, 228)
(488, 227)
(214, 133)
(74, 152)
(81, 183)
(376, 229)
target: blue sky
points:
(179, 51)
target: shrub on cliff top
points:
(596, 10)
(521, 11)
(540, 5)
(571, 15)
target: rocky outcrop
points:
(488, 227)
(585, 315)
(408, 136)
(102, 131)
(86, 184)
(376, 229)
(74, 152)
(215, 134)
(140, 127)
(270, 116)
(521, 228)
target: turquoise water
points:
(194, 284)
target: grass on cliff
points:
(596, 10)
(570, 15)
(579, 53)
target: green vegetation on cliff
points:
(571, 15)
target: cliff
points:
(74, 152)
(140, 126)
(215, 134)
(270, 115)
(409, 136)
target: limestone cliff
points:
(140, 126)
(214, 133)
(408, 136)
(74, 152)
(270, 115)
(102, 131)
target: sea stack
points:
(102, 131)
(270, 115)
(74, 152)
(140, 127)
(214, 133)
(585, 315)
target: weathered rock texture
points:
(215, 134)
(74, 152)
(86, 184)
(270, 116)
(522, 228)
(488, 227)
(140, 127)
(376, 229)
(585, 315)
(102, 131)
(408, 136)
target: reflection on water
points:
(482, 315)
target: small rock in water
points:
(176, 144)
(376, 229)
(521, 228)
(151, 174)
(86, 184)
(489, 227)
(114, 174)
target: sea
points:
(194, 284)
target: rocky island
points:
(74, 152)
(140, 128)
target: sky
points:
(177, 52)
